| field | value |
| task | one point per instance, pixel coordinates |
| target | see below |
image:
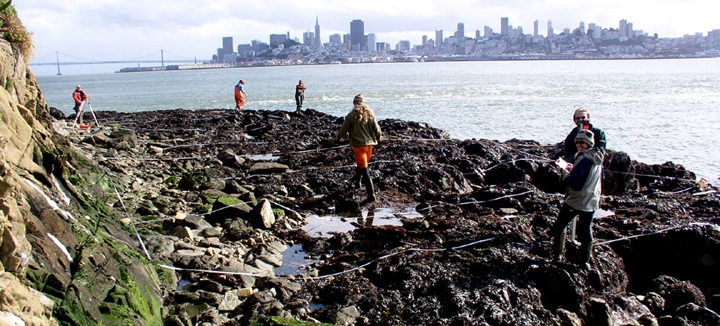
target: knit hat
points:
(359, 99)
(585, 136)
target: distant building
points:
(504, 23)
(623, 30)
(403, 46)
(383, 47)
(424, 41)
(488, 32)
(308, 38)
(549, 28)
(277, 39)
(438, 37)
(460, 33)
(347, 41)
(535, 30)
(630, 33)
(582, 28)
(477, 34)
(317, 42)
(244, 50)
(227, 45)
(371, 42)
(335, 40)
(220, 54)
(357, 35)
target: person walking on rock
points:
(299, 95)
(581, 117)
(240, 95)
(79, 96)
(364, 133)
(582, 197)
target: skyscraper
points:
(357, 35)
(317, 42)
(308, 38)
(582, 28)
(227, 45)
(335, 40)
(438, 38)
(623, 28)
(371, 42)
(504, 26)
(550, 29)
(535, 32)
(424, 40)
(460, 33)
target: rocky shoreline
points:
(217, 197)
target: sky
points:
(101, 30)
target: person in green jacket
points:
(364, 133)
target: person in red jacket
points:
(79, 96)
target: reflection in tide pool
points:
(294, 261)
(322, 226)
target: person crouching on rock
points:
(582, 197)
(364, 133)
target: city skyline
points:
(91, 30)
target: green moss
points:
(9, 84)
(165, 275)
(229, 201)
(142, 300)
(204, 208)
(172, 180)
(278, 212)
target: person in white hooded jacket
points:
(582, 197)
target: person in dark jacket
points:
(364, 133)
(582, 197)
(581, 117)
(299, 95)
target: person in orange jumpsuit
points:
(240, 95)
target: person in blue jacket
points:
(582, 197)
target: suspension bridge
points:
(150, 58)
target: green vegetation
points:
(13, 31)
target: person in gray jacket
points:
(582, 197)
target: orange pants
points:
(362, 155)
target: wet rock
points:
(678, 293)
(230, 159)
(230, 301)
(699, 314)
(268, 168)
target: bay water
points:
(654, 110)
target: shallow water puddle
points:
(322, 226)
(294, 261)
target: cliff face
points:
(60, 242)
